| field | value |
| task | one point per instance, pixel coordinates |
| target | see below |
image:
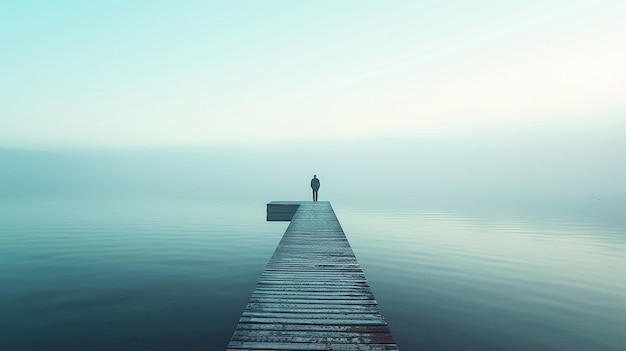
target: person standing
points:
(315, 185)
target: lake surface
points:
(164, 274)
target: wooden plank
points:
(313, 294)
(328, 288)
(320, 321)
(315, 317)
(281, 307)
(266, 299)
(313, 328)
(312, 336)
(317, 346)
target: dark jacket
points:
(315, 183)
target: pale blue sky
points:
(191, 73)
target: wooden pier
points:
(313, 294)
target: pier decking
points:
(313, 294)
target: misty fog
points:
(582, 172)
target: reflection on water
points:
(448, 281)
(162, 275)
(128, 275)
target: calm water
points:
(127, 274)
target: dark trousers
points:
(314, 195)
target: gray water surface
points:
(163, 274)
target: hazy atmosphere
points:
(421, 119)
(127, 74)
(578, 174)
(414, 101)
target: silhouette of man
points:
(315, 185)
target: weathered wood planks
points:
(313, 294)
